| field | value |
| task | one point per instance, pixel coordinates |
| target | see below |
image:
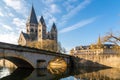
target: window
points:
(39, 30)
(27, 30)
(31, 30)
(36, 31)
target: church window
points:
(36, 31)
(27, 30)
(31, 30)
(39, 30)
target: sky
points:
(79, 22)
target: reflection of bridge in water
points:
(25, 57)
(81, 73)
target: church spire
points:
(32, 18)
(99, 40)
(54, 27)
(42, 20)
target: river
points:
(60, 74)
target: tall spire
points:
(54, 27)
(42, 20)
(32, 18)
(99, 40)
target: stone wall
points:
(106, 60)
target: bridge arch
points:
(19, 62)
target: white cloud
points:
(69, 4)
(78, 25)
(10, 14)
(47, 1)
(19, 22)
(7, 27)
(9, 38)
(49, 19)
(74, 11)
(1, 14)
(17, 5)
(54, 8)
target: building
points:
(36, 31)
(96, 49)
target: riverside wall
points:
(103, 60)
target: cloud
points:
(74, 11)
(17, 5)
(7, 27)
(1, 14)
(78, 25)
(19, 23)
(10, 14)
(69, 4)
(54, 8)
(9, 38)
(50, 9)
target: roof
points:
(32, 18)
(42, 21)
(26, 36)
(53, 27)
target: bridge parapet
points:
(29, 55)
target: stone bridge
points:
(26, 57)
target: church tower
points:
(41, 29)
(32, 25)
(54, 32)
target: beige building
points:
(96, 49)
(36, 31)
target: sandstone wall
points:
(94, 60)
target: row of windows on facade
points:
(82, 48)
(32, 30)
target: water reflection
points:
(68, 74)
(4, 72)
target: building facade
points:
(36, 31)
(96, 49)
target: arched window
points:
(27, 30)
(31, 30)
(39, 30)
(36, 31)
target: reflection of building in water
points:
(98, 48)
(105, 74)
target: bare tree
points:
(110, 37)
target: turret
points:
(41, 29)
(54, 32)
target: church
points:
(36, 31)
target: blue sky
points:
(79, 22)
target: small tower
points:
(54, 32)
(99, 41)
(41, 29)
(32, 25)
